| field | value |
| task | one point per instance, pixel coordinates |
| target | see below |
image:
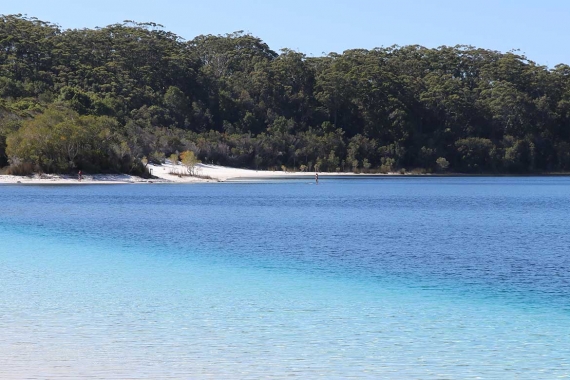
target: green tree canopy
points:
(107, 97)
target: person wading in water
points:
(317, 178)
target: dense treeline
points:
(103, 99)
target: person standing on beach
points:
(80, 176)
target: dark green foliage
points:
(102, 99)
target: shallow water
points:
(425, 278)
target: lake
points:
(431, 278)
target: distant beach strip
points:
(169, 173)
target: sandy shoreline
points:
(164, 174)
(53, 179)
(168, 173)
(223, 173)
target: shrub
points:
(442, 164)
(21, 168)
(189, 160)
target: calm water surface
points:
(412, 278)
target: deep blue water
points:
(394, 278)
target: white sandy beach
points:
(163, 174)
(55, 179)
(223, 173)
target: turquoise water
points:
(427, 278)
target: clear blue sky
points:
(539, 28)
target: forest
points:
(110, 99)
